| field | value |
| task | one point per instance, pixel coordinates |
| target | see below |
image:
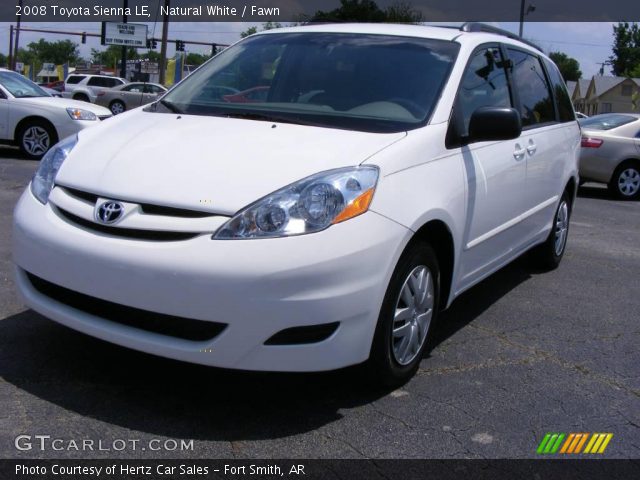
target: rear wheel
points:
(409, 309)
(117, 107)
(625, 181)
(549, 255)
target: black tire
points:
(117, 107)
(625, 181)
(81, 97)
(35, 138)
(548, 255)
(384, 367)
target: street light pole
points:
(10, 59)
(521, 16)
(15, 47)
(163, 43)
(123, 66)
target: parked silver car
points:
(611, 152)
(131, 95)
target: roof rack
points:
(483, 27)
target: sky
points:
(589, 43)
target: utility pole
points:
(10, 59)
(15, 47)
(123, 66)
(163, 44)
(530, 8)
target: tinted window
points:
(357, 81)
(134, 87)
(563, 101)
(73, 79)
(112, 82)
(607, 122)
(152, 89)
(96, 82)
(484, 84)
(536, 106)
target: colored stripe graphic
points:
(572, 443)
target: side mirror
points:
(494, 123)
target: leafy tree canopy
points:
(569, 67)
(625, 60)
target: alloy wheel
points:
(36, 140)
(117, 108)
(561, 227)
(629, 182)
(412, 315)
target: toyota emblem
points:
(109, 212)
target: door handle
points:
(531, 148)
(518, 153)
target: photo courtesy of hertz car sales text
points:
(308, 199)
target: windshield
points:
(606, 122)
(361, 82)
(19, 86)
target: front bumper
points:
(257, 287)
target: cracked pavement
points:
(521, 354)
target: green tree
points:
(3, 60)
(58, 52)
(626, 49)
(569, 67)
(196, 58)
(112, 55)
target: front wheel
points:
(549, 255)
(625, 181)
(36, 138)
(409, 309)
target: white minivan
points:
(308, 199)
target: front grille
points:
(169, 325)
(303, 335)
(135, 234)
(147, 208)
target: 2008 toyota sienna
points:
(308, 199)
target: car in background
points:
(52, 92)
(84, 87)
(610, 152)
(34, 121)
(580, 115)
(131, 95)
(57, 85)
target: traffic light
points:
(152, 43)
(84, 37)
(179, 46)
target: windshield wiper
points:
(170, 106)
(267, 117)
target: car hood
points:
(57, 102)
(206, 163)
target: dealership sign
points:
(124, 34)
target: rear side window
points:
(484, 84)
(563, 101)
(536, 104)
(607, 122)
(96, 82)
(73, 79)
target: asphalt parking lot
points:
(521, 354)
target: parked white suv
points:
(85, 87)
(387, 169)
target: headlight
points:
(42, 181)
(79, 114)
(307, 206)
